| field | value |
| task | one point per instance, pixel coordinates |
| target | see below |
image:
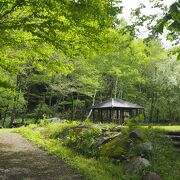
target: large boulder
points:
(151, 176)
(116, 128)
(38, 129)
(111, 134)
(54, 119)
(135, 164)
(136, 135)
(105, 139)
(98, 127)
(145, 149)
(82, 126)
(115, 148)
(79, 129)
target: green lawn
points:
(168, 128)
(163, 159)
(6, 129)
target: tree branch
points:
(18, 3)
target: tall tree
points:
(69, 25)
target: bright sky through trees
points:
(132, 4)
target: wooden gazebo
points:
(115, 110)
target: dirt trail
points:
(22, 160)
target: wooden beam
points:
(130, 113)
(93, 115)
(117, 115)
(110, 116)
(101, 115)
(107, 114)
(121, 116)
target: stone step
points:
(175, 138)
(176, 144)
(173, 133)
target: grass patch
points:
(90, 168)
(6, 130)
(167, 128)
(165, 160)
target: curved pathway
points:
(22, 160)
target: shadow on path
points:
(22, 160)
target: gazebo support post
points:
(110, 115)
(101, 115)
(93, 115)
(106, 114)
(130, 113)
(134, 113)
(137, 112)
(117, 115)
(122, 116)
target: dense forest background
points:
(57, 56)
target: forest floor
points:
(22, 160)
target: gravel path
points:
(22, 160)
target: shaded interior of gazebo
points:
(115, 110)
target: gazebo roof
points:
(116, 104)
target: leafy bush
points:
(134, 120)
(82, 140)
(79, 139)
(59, 130)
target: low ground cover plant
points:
(110, 149)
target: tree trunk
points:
(13, 113)
(157, 115)
(24, 113)
(5, 115)
(15, 103)
(115, 88)
(94, 98)
(72, 101)
(152, 108)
